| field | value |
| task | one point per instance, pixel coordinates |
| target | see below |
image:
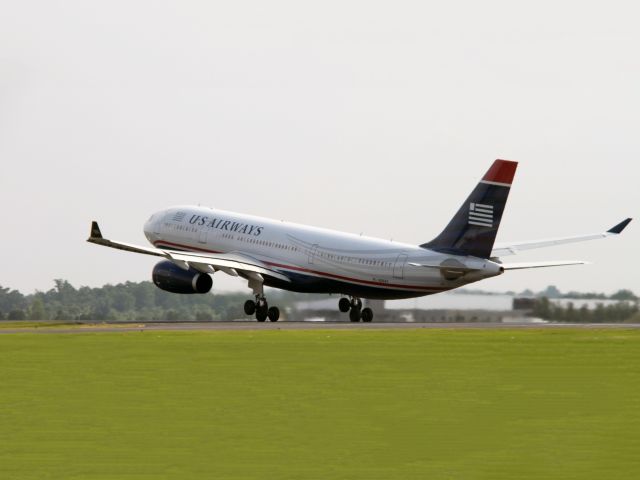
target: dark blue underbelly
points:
(312, 284)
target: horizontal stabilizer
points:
(563, 263)
(447, 268)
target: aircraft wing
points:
(502, 250)
(230, 263)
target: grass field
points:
(405, 404)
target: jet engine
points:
(171, 278)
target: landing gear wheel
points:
(344, 305)
(356, 303)
(354, 315)
(274, 314)
(367, 314)
(261, 315)
(262, 311)
(249, 307)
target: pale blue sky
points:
(374, 117)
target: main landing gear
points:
(261, 309)
(353, 305)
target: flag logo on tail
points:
(481, 215)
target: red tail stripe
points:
(502, 171)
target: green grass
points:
(404, 404)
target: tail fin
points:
(472, 231)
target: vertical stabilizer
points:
(472, 231)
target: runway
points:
(254, 326)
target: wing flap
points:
(223, 262)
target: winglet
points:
(620, 227)
(95, 230)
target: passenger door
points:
(312, 253)
(398, 267)
(202, 236)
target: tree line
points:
(623, 311)
(129, 301)
(143, 301)
(553, 292)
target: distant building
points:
(454, 301)
(524, 303)
(443, 307)
(451, 308)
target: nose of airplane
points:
(149, 227)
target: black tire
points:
(262, 309)
(274, 314)
(367, 314)
(249, 307)
(344, 305)
(354, 315)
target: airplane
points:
(195, 242)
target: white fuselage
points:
(316, 260)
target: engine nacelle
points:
(171, 278)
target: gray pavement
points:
(252, 325)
